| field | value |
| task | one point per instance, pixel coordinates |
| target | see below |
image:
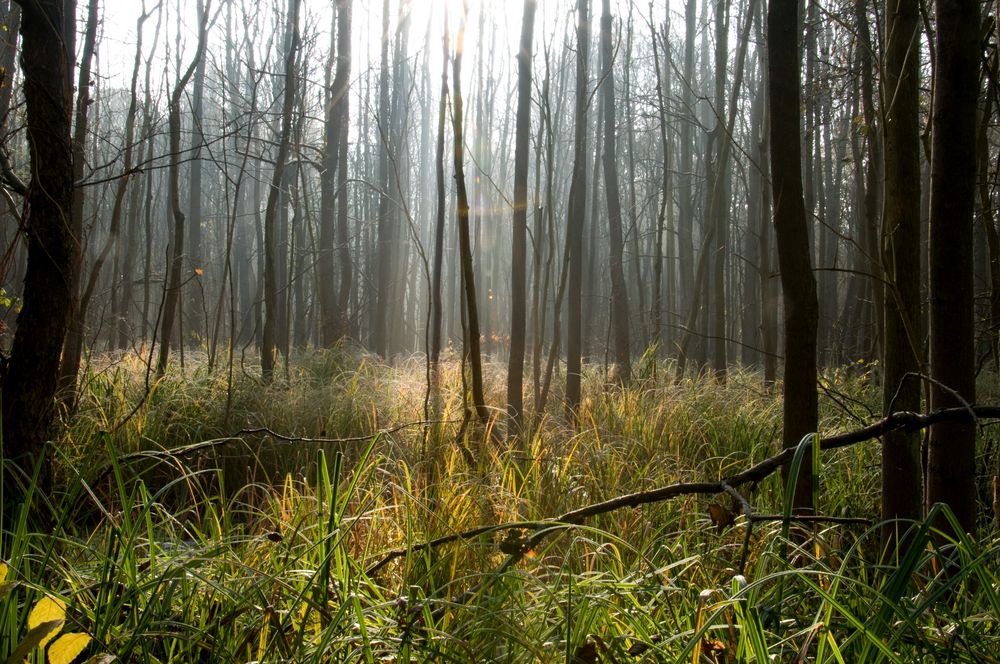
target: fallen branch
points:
(899, 421)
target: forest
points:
(499, 330)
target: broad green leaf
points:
(47, 610)
(65, 649)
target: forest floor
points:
(210, 518)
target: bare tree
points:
(268, 345)
(518, 287)
(619, 294)
(951, 449)
(176, 267)
(798, 284)
(576, 215)
(31, 372)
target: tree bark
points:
(465, 245)
(619, 294)
(576, 214)
(519, 242)
(30, 379)
(176, 266)
(901, 465)
(794, 251)
(271, 263)
(951, 460)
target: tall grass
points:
(259, 549)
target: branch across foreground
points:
(517, 548)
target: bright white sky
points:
(118, 37)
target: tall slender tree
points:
(800, 406)
(271, 263)
(472, 343)
(619, 294)
(171, 301)
(901, 464)
(576, 214)
(951, 449)
(519, 243)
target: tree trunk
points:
(73, 344)
(176, 265)
(619, 294)
(31, 376)
(576, 213)
(901, 465)
(519, 294)
(794, 251)
(272, 266)
(465, 245)
(951, 460)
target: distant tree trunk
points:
(519, 246)
(901, 465)
(197, 315)
(685, 195)
(619, 294)
(665, 194)
(794, 251)
(271, 263)
(176, 266)
(73, 345)
(951, 453)
(386, 226)
(31, 375)
(465, 245)
(331, 308)
(437, 307)
(870, 219)
(576, 214)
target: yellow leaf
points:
(3, 572)
(65, 649)
(47, 610)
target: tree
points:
(73, 346)
(31, 376)
(951, 460)
(171, 301)
(271, 267)
(576, 214)
(619, 295)
(472, 351)
(332, 304)
(901, 463)
(519, 244)
(800, 407)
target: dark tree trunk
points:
(31, 376)
(794, 251)
(519, 248)
(176, 266)
(73, 345)
(576, 214)
(272, 266)
(901, 466)
(951, 460)
(472, 349)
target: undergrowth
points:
(262, 545)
